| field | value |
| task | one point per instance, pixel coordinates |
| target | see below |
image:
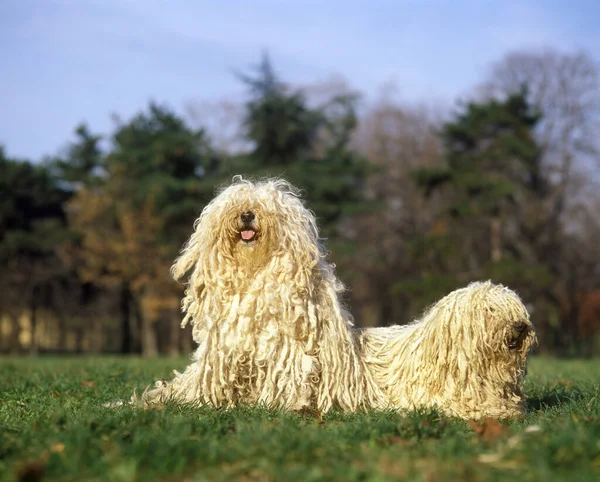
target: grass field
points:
(53, 427)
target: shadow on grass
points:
(553, 396)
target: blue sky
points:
(66, 61)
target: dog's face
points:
(515, 334)
(245, 227)
(490, 321)
(252, 222)
(253, 227)
(519, 336)
(248, 228)
(253, 236)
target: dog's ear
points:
(185, 262)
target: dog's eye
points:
(516, 335)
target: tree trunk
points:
(496, 238)
(33, 345)
(79, 338)
(14, 340)
(126, 321)
(186, 340)
(97, 341)
(149, 342)
(61, 323)
(3, 346)
(175, 334)
(148, 329)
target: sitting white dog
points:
(264, 307)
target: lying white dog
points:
(467, 356)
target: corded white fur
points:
(270, 327)
(266, 315)
(467, 356)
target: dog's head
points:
(254, 217)
(487, 323)
(482, 335)
(249, 223)
(513, 333)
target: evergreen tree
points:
(135, 221)
(32, 231)
(278, 122)
(157, 157)
(32, 219)
(309, 146)
(491, 179)
(82, 163)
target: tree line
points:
(413, 202)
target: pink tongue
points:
(247, 235)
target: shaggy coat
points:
(265, 311)
(467, 356)
(264, 308)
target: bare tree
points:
(222, 120)
(565, 87)
(395, 138)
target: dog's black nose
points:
(247, 217)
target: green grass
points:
(53, 425)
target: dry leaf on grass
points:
(489, 429)
(395, 441)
